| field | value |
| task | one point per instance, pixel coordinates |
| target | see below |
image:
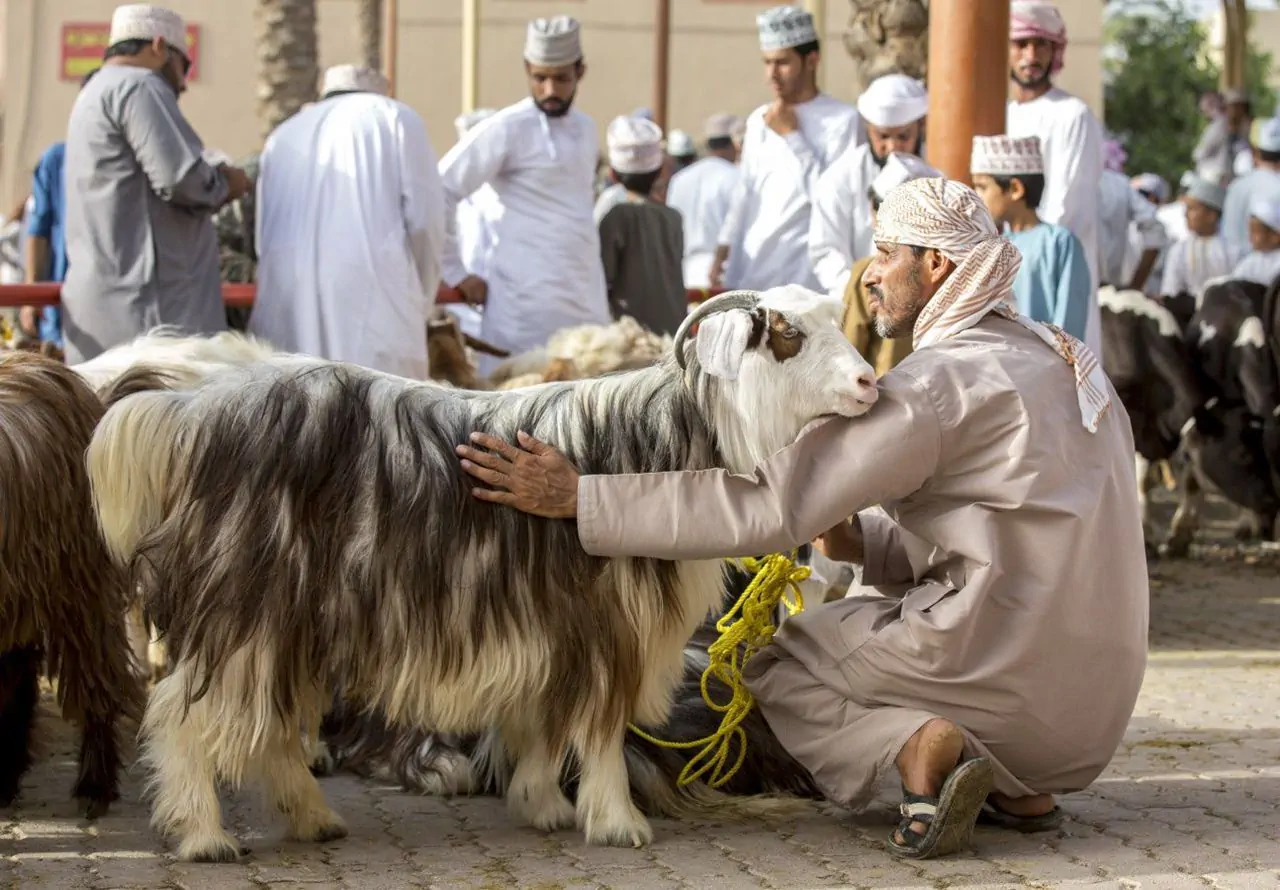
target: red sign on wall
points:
(84, 43)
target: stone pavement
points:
(1189, 801)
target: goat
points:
(585, 351)
(62, 598)
(447, 346)
(302, 526)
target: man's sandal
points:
(998, 818)
(951, 815)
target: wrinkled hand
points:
(475, 290)
(842, 543)
(781, 118)
(535, 478)
(238, 182)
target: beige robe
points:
(1007, 591)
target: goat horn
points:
(484, 346)
(734, 299)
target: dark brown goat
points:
(62, 599)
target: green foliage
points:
(1157, 70)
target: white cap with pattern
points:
(142, 21)
(554, 42)
(353, 79)
(635, 145)
(1006, 156)
(784, 27)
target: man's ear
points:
(938, 266)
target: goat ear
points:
(722, 342)
(484, 346)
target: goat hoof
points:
(633, 831)
(222, 850)
(94, 808)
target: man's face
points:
(898, 286)
(1029, 61)
(173, 66)
(1262, 237)
(788, 73)
(1201, 218)
(553, 88)
(886, 140)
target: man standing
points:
(1263, 181)
(998, 657)
(140, 199)
(787, 146)
(702, 192)
(350, 226)
(1070, 135)
(1121, 210)
(893, 109)
(539, 155)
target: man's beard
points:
(881, 160)
(1030, 84)
(555, 107)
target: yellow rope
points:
(740, 638)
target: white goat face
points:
(784, 364)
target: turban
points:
(1039, 19)
(893, 100)
(949, 217)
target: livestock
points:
(447, 351)
(1151, 369)
(586, 351)
(62, 598)
(301, 526)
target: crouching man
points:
(998, 652)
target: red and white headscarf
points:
(949, 217)
(1032, 19)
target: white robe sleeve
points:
(831, 227)
(1077, 169)
(475, 159)
(422, 201)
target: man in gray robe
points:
(998, 647)
(141, 245)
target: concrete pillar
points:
(968, 79)
(470, 55)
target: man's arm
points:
(167, 149)
(478, 157)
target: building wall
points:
(714, 63)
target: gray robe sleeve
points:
(168, 150)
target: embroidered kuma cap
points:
(720, 126)
(784, 27)
(1266, 211)
(553, 42)
(680, 144)
(635, 145)
(353, 79)
(898, 168)
(1269, 135)
(893, 100)
(142, 21)
(1006, 156)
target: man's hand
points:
(781, 118)
(475, 290)
(538, 479)
(238, 182)
(28, 321)
(842, 543)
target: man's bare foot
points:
(1023, 807)
(927, 759)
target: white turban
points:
(894, 100)
(353, 79)
(142, 21)
(553, 42)
(635, 145)
(949, 217)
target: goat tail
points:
(131, 458)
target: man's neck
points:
(806, 93)
(1022, 219)
(1030, 94)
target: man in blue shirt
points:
(1053, 285)
(46, 258)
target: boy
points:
(1202, 254)
(642, 241)
(1053, 285)
(1263, 263)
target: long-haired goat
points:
(62, 597)
(300, 526)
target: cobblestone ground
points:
(1190, 800)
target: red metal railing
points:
(48, 293)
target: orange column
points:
(968, 79)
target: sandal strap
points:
(920, 810)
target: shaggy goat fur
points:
(62, 599)
(300, 527)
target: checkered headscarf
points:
(949, 217)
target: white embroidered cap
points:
(898, 168)
(553, 42)
(894, 100)
(784, 27)
(1006, 156)
(1266, 211)
(720, 126)
(680, 144)
(142, 21)
(464, 122)
(353, 79)
(1269, 135)
(635, 145)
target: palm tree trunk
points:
(288, 59)
(370, 21)
(887, 37)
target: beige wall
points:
(714, 63)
